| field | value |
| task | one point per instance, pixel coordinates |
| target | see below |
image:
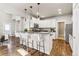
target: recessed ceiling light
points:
(59, 9)
(60, 12)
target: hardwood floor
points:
(11, 49)
(60, 48)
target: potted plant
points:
(25, 30)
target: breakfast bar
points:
(38, 40)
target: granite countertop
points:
(40, 32)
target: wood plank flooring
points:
(60, 48)
(11, 49)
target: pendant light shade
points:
(38, 15)
(25, 13)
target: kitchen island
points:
(37, 36)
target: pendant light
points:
(38, 15)
(25, 13)
(30, 18)
(31, 11)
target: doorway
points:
(61, 30)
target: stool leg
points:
(39, 48)
(32, 44)
(37, 44)
(22, 43)
(27, 44)
(43, 46)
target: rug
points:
(23, 52)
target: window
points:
(7, 27)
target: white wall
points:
(4, 19)
(76, 29)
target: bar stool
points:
(30, 41)
(26, 40)
(40, 42)
(23, 38)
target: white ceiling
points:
(45, 9)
